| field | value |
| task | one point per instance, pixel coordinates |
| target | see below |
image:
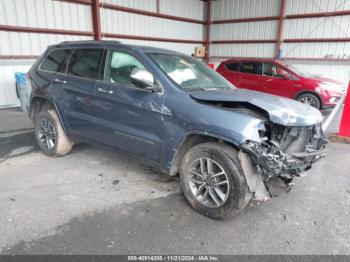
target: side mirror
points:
(143, 79)
(287, 76)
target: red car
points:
(283, 79)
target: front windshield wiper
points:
(195, 89)
(207, 89)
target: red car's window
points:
(232, 66)
(274, 70)
(251, 68)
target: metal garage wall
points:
(40, 14)
(262, 30)
(321, 27)
(147, 5)
(334, 70)
(8, 95)
(183, 48)
(327, 58)
(71, 16)
(185, 8)
(141, 25)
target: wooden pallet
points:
(339, 139)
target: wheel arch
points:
(310, 92)
(39, 103)
(191, 140)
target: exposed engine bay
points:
(285, 153)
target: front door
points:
(128, 117)
(278, 81)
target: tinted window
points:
(119, 66)
(251, 68)
(274, 70)
(232, 66)
(55, 61)
(85, 63)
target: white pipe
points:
(334, 112)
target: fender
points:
(36, 98)
(189, 140)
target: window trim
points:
(259, 74)
(238, 63)
(277, 65)
(83, 77)
(122, 50)
(51, 51)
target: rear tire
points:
(310, 99)
(216, 196)
(50, 134)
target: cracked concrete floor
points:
(103, 202)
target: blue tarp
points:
(20, 78)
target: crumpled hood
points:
(281, 110)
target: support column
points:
(207, 32)
(96, 21)
(280, 26)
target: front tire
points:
(50, 134)
(310, 99)
(212, 180)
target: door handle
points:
(268, 80)
(60, 81)
(104, 90)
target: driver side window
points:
(119, 66)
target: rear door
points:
(128, 117)
(74, 89)
(230, 71)
(53, 63)
(249, 76)
(278, 81)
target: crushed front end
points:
(283, 153)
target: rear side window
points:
(251, 68)
(85, 63)
(55, 61)
(232, 66)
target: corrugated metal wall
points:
(325, 27)
(70, 16)
(237, 9)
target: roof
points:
(112, 43)
(257, 59)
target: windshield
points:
(299, 71)
(188, 73)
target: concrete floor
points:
(102, 202)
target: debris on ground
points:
(115, 182)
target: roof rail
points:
(90, 42)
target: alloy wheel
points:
(208, 182)
(309, 101)
(47, 133)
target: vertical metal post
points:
(207, 32)
(280, 26)
(158, 6)
(96, 21)
(344, 129)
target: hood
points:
(281, 110)
(329, 84)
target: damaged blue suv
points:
(228, 145)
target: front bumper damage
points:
(284, 153)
